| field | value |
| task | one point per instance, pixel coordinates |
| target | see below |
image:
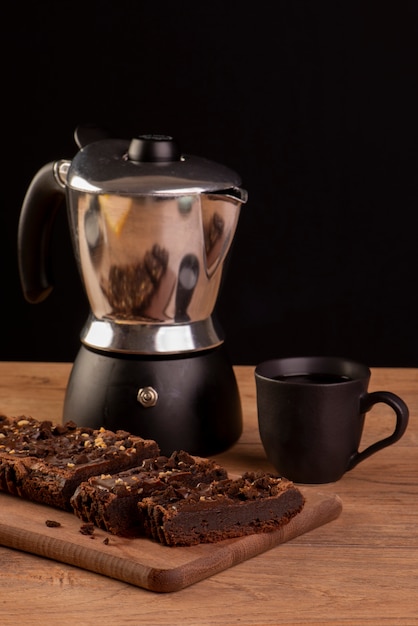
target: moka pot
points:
(151, 229)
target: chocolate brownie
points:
(254, 503)
(110, 501)
(45, 463)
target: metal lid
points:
(148, 165)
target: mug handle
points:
(402, 418)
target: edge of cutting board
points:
(143, 562)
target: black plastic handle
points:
(42, 200)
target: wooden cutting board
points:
(143, 562)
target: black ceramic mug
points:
(311, 413)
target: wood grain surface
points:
(360, 569)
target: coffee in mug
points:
(311, 414)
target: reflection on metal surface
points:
(214, 232)
(130, 288)
(187, 279)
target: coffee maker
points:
(151, 230)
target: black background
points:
(313, 103)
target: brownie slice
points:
(254, 503)
(110, 501)
(45, 463)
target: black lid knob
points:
(153, 149)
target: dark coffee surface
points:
(314, 379)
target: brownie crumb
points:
(87, 529)
(52, 523)
(106, 541)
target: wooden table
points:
(361, 568)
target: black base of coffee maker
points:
(198, 407)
